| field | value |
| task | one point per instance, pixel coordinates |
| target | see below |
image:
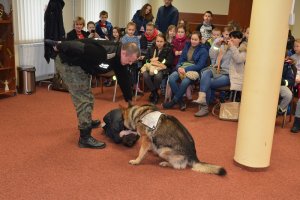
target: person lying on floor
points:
(113, 125)
(78, 59)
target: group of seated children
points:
(212, 57)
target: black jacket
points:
(165, 54)
(288, 75)
(144, 44)
(114, 124)
(72, 35)
(54, 26)
(89, 54)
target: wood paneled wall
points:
(239, 11)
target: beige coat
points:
(237, 66)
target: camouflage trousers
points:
(78, 83)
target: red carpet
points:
(39, 157)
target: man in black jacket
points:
(166, 15)
(80, 58)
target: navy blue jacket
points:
(288, 74)
(100, 32)
(140, 21)
(165, 17)
(200, 57)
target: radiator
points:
(33, 54)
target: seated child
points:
(158, 59)
(104, 27)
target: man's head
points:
(168, 2)
(103, 16)
(129, 53)
(207, 17)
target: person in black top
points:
(77, 32)
(80, 58)
(166, 15)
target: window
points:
(30, 20)
(91, 9)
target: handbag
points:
(229, 111)
(193, 75)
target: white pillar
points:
(264, 62)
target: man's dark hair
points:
(236, 34)
(209, 12)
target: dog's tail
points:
(208, 168)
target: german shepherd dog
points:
(169, 139)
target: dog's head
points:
(126, 113)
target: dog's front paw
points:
(134, 162)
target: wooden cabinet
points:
(7, 58)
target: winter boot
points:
(201, 98)
(87, 141)
(296, 126)
(203, 110)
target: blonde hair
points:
(297, 41)
(150, 24)
(79, 20)
(227, 29)
(131, 24)
(217, 29)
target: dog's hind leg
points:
(165, 154)
(146, 145)
(178, 161)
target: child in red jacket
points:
(178, 43)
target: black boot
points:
(87, 141)
(170, 104)
(95, 123)
(151, 96)
(296, 126)
(155, 97)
